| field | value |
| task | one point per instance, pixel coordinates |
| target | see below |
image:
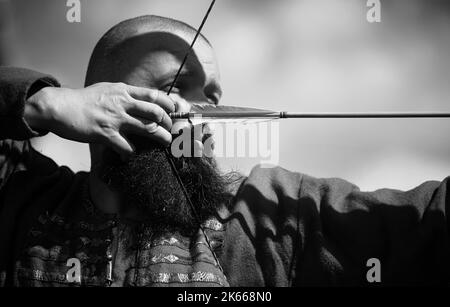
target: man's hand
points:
(102, 113)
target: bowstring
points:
(197, 34)
(167, 152)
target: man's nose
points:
(197, 96)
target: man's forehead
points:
(201, 50)
(168, 49)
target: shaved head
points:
(110, 53)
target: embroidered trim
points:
(180, 243)
(171, 258)
(213, 224)
(43, 276)
(168, 278)
(148, 260)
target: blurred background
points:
(298, 55)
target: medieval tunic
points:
(282, 229)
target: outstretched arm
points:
(293, 229)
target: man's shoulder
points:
(259, 227)
(272, 172)
(272, 178)
(267, 189)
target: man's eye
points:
(173, 88)
(213, 99)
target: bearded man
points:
(128, 222)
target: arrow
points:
(229, 113)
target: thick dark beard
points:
(147, 182)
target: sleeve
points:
(386, 237)
(291, 229)
(16, 86)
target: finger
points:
(153, 96)
(198, 149)
(121, 145)
(149, 111)
(208, 147)
(148, 129)
(181, 105)
(181, 126)
(208, 129)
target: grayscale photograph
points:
(241, 144)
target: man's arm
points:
(385, 237)
(292, 229)
(16, 86)
(31, 105)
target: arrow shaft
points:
(367, 115)
(292, 115)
